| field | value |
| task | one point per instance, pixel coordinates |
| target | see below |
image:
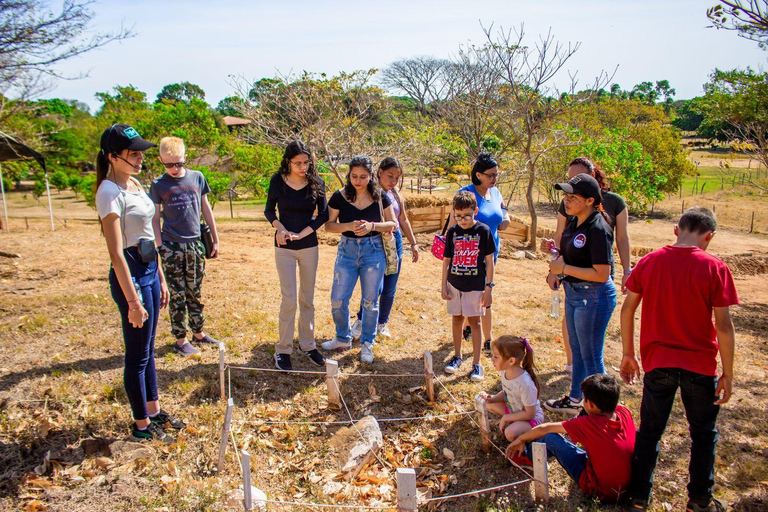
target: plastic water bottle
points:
(138, 290)
(554, 305)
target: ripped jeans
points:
(363, 258)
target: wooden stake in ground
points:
(222, 387)
(430, 376)
(485, 425)
(225, 434)
(331, 374)
(247, 498)
(407, 498)
(541, 478)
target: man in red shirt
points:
(606, 432)
(680, 286)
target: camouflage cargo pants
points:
(184, 266)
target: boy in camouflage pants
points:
(182, 194)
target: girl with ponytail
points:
(518, 401)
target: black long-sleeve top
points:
(297, 211)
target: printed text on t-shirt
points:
(466, 249)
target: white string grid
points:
(352, 421)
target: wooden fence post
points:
(331, 374)
(222, 387)
(485, 425)
(541, 478)
(407, 499)
(225, 434)
(430, 376)
(683, 208)
(752, 224)
(247, 498)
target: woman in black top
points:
(584, 268)
(360, 212)
(299, 194)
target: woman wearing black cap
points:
(584, 268)
(135, 279)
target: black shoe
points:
(283, 362)
(638, 505)
(487, 346)
(467, 333)
(152, 433)
(163, 419)
(713, 506)
(314, 356)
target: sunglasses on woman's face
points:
(171, 165)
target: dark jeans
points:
(571, 457)
(139, 375)
(698, 393)
(388, 286)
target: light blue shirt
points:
(489, 212)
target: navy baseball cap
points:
(582, 185)
(119, 137)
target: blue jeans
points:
(139, 375)
(388, 286)
(588, 309)
(362, 258)
(698, 394)
(571, 457)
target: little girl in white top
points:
(518, 402)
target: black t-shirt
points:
(588, 244)
(349, 212)
(613, 204)
(296, 211)
(467, 249)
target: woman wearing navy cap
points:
(584, 269)
(135, 279)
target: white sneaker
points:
(477, 374)
(335, 344)
(383, 330)
(569, 368)
(356, 329)
(366, 354)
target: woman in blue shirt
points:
(491, 212)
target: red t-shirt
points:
(680, 286)
(609, 445)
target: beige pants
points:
(286, 261)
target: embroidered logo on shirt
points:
(580, 240)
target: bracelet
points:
(627, 272)
(132, 310)
(134, 300)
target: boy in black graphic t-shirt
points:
(467, 277)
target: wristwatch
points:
(490, 285)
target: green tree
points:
(60, 180)
(231, 106)
(183, 91)
(219, 184)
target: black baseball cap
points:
(119, 137)
(582, 185)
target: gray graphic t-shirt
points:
(181, 200)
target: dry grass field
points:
(61, 395)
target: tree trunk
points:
(531, 205)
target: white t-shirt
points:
(136, 220)
(520, 393)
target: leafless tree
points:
(423, 79)
(748, 17)
(532, 105)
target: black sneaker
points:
(564, 405)
(467, 333)
(163, 419)
(153, 432)
(487, 346)
(283, 362)
(713, 506)
(314, 356)
(638, 505)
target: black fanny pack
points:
(147, 251)
(207, 238)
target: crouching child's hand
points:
(515, 448)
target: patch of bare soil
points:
(62, 402)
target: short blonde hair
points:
(172, 146)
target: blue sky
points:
(205, 42)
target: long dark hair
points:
(602, 180)
(519, 348)
(373, 185)
(388, 163)
(314, 181)
(484, 162)
(102, 167)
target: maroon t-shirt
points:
(609, 445)
(680, 286)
